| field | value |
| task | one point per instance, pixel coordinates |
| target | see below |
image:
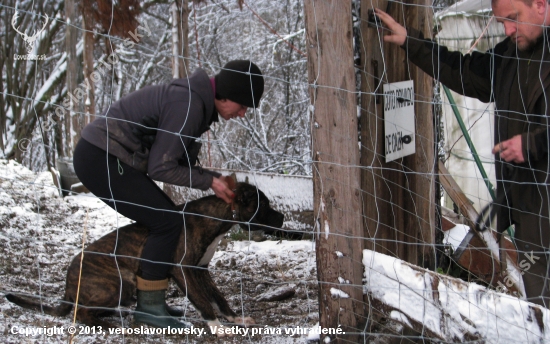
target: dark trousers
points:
(533, 262)
(136, 196)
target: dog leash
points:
(232, 185)
(233, 211)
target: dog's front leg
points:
(206, 298)
(219, 302)
(190, 283)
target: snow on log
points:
(278, 294)
(447, 308)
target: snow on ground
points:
(40, 232)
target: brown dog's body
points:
(104, 273)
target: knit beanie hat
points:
(240, 81)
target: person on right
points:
(515, 75)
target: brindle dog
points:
(207, 220)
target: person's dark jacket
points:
(184, 109)
(489, 77)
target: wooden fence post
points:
(336, 176)
(399, 196)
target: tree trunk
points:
(336, 178)
(89, 106)
(71, 117)
(179, 12)
(180, 42)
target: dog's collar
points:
(233, 210)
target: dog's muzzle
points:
(270, 222)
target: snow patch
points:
(338, 294)
(455, 235)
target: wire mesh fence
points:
(391, 247)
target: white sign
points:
(399, 120)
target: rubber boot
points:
(151, 305)
(173, 311)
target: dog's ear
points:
(251, 195)
(246, 194)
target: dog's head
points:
(252, 207)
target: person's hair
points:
(526, 2)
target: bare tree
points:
(30, 77)
(276, 137)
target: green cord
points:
(120, 169)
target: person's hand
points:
(222, 190)
(398, 34)
(510, 150)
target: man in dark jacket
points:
(149, 135)
(516, 76)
